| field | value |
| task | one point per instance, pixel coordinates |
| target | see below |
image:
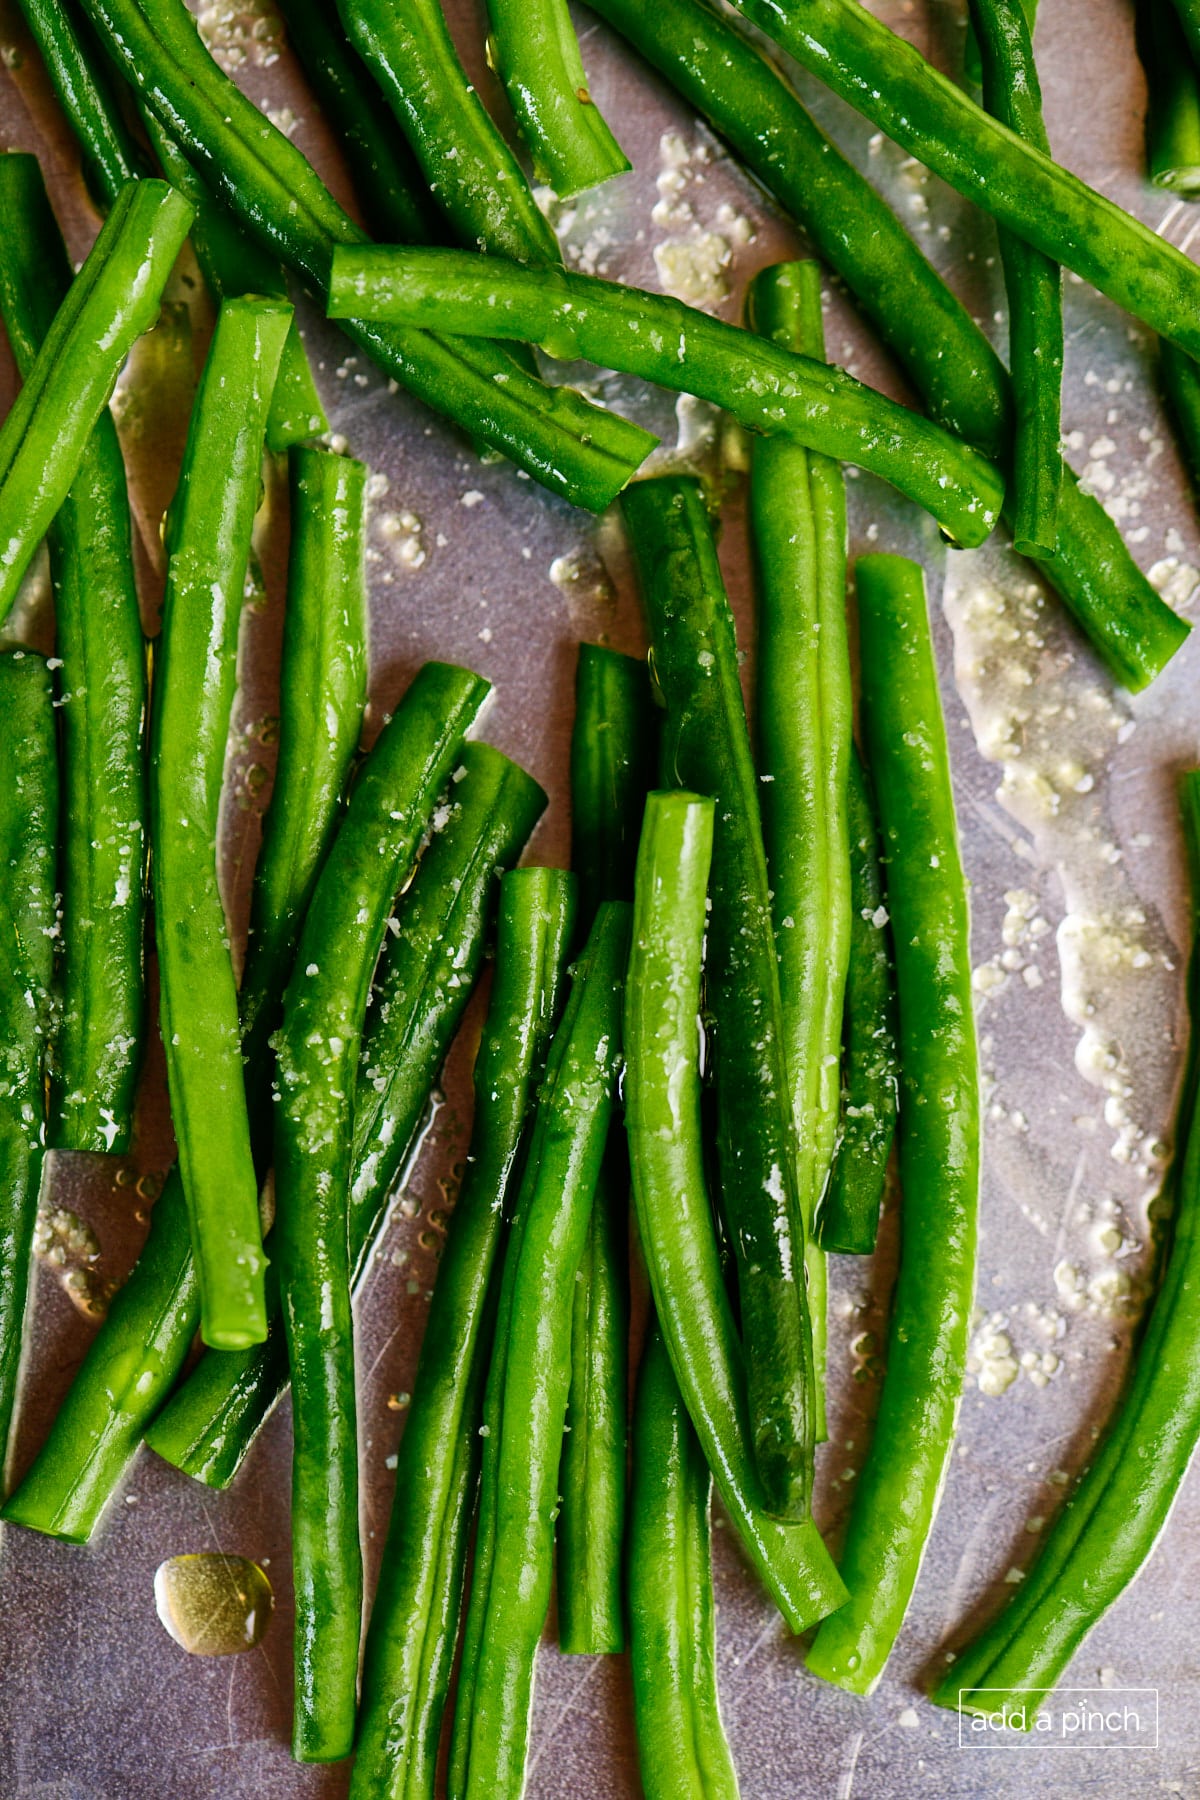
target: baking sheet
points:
(1065, 795)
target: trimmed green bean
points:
(83, 85)
(573, 448)
(805, 730)
(97, 1054)
(897, 1490)
(531, 1369)
(536, 55)
(765, 387)
(317, 1050)
(208, 549)
(410, 1644)
(706, 746)
(682, 1752)
(947, 357)
(848, 1218)
(662, 1115)
(28, 829)
(1172, 100)
(112, 300)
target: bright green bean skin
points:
(765, 387)
(108, 152)
(28, 828)
(420, 1584)
(614, 749)
(471, 171)
(948, 359)
(706, 746)
(102, 699)
(573, 448)
(805, 730)
(323, 689)
(536, 55)
(317, 1050)
(848, 1219)
(682, 1752)
(208, 549)
(897, 1489)
(112, 300)
(1172, 102)
(1033, 282)
(569, 1135)
(387, 180)
(662, 1116)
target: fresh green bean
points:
(28, 825)
(83, 85)
(414, 1622)
(848, 1218)
(682, 1750)
(972, 66)
(1172, 100)
(112, 300)
(1179, 377)
(1188, 12)
(208, 549)
(662, 1114)
(323, 689)
(706, 746)
(536, 54)
(575, 449)
(531, 1369)
(1112, 1521)
(897, 1489)
(386, 177)
(102, 696)
(1033, 282)
(947, 357)
(805, 729)
(613, 748)
(765, 387)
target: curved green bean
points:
(1172, 100)
(805, 730)
(897, 1489)
(208, 548)
(575, 449)
(536, 54)
(531, 1371)
(112, 300)
(414, 1621)
(102, 698)
(662, 1114)
(706, 746)
(848, 1218)
(765, 387)
(682, 1752)
(84, 88)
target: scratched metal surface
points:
(96, 1703)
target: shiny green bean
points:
(536, 54)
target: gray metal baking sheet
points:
(1065, 790)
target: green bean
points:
(428, 969)
(83, 85)
(947, 357)
(1112, 1521)
(323, 689)
(536, 54)
(386, 177)
(662, 1114)
(706, 746)
(612, 758)
(208, 548)
(765, 387)
(848, 1218)
(28, 826)
(98, 1050)
(972, 66)
(1172, 100)
(411, 1640)
(806, 723)
(575, 449)
(531, 1368)
(682, 1750)
(1179, 377)
(112, 300)
(1033, 283)
(1188, 12)
(897, 1489)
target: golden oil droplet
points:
(213, 1604)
